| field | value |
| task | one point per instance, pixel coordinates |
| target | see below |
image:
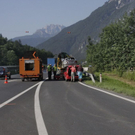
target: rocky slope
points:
(73, 39)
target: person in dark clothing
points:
(4, 71)
(79, 72)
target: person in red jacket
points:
(73, 72)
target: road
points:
(62, 108)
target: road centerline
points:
(38, 114)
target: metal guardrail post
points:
(92, 78)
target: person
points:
(4, 71)
(54, 71)
(79, 72)
(49, 71)
(42, 68)
(73, 72)
(59, 62)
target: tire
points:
(40, 78)
(10, 77)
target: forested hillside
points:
(116, 49)
(75, 42)
(10, 52)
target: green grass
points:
(113, 84)
(129, 75)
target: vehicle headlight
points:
(1, 73)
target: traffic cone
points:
(6, 79)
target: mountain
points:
(40, 35)
(73, 39)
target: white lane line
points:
(14, 80)
(18, 95)
(38, 114)
(129, 100)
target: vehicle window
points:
(29, 65)
(1, 69)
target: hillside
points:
(75, 42)
(12, 51)
(40, 35)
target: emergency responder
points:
(59, 63)
(54, 71)
(49, 69)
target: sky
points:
(19, 16)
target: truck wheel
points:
(10, 77)
(23, 80)
(40, 78)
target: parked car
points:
(67, 73)
(4, 71)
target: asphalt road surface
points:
(62, 108)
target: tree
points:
(90, 51)
(12, 59)
(116, 49)
(10, 52)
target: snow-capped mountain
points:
(40, 35)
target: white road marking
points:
(18, 95)
(38, 114)
(13, 80)
(129, 100)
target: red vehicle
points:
(66, 73)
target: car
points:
(4, 71)
(67, 73)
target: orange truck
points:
(30, 68)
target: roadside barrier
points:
(91, 76)
(100, 78)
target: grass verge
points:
(112, 83)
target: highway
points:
(63, 108)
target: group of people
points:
(51, 69)
(79, 72)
